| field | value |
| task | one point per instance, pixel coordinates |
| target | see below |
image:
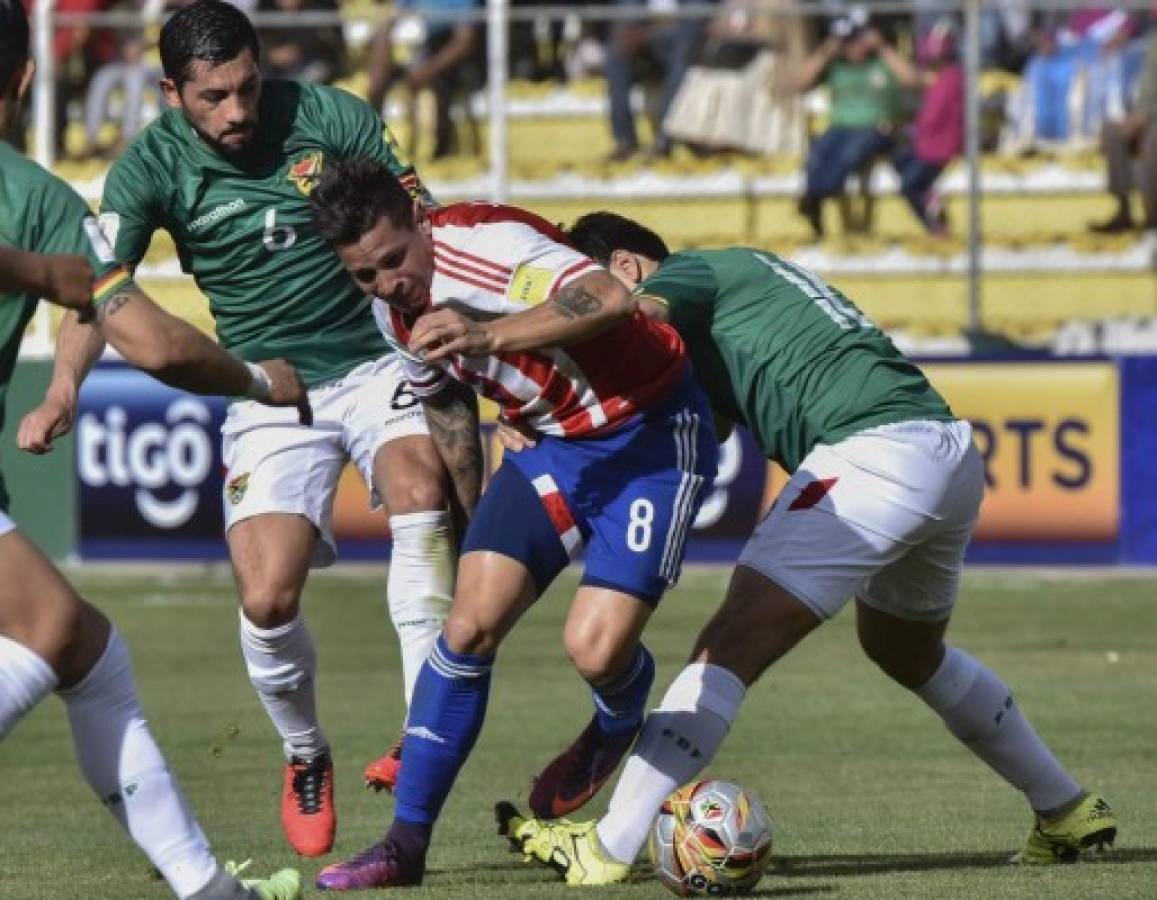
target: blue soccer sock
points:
(619, 705)
(445, 717)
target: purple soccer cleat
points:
(578, 773)
(379, 865)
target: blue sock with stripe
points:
(446, 715)
(619, 705)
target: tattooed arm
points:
(584, 308)
(173, 351)
(452, 417)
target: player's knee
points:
(597, 655)
(465, 634)
(270, 605)
(907, 665)
(414, 481)
(71, 639)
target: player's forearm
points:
(78, 347)
(452, 417)
(170, 349)
(576, 313)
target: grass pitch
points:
(869, 794)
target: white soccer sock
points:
(124, 766)
(678, 740)
(979, 710)
(281, 663)
(420, 586)
(25, 680)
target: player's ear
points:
(172, 93)
(625, 267)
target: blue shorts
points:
(629, 496)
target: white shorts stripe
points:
(686, 432)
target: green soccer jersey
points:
(785, 354)
(42, 214)
(244, 229)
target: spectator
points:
(662, 43)
(310, 53)
(938, 134)
(1133, 141)
(133, 76)
(442, 49)
(862, 74)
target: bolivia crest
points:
(305, 171)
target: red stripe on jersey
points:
(468, 259)
(554, 386)
(401, 328)
(471, 280)
(467, 215)
(579, 268)
(464, 272)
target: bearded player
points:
(226, 171)
(51, 639)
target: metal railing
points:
(499, 15)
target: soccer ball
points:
(710, 838)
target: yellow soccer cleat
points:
(570, 848)
(1090, 823)
(282, 885)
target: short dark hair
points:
(599, 234)
(210, 31)
(353, 195)
(14, 40)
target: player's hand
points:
(515, 436)
(51, 419)
(440, 334)
(68, 281)
(287, 389)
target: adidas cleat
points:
(382, 773)
(1090, 824)
(282, 885)
(570, 848)
(307, 813)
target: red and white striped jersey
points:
(491, 261)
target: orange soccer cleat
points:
(307, 812)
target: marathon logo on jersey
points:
(215, 215)
(305, 172)
(149, 465)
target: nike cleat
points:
(282, 885)
(379, 865)
(1091, 823)
(382, 773)
(307, 813)
(570, 848)
(579, 772)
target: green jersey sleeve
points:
(68, 226)
(128, 210)
(355, 130)
(687, 286)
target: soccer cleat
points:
(382, 773)
(379, 865)
(282, 885)
(307, 813)
(1091, 823)
(579, 772)
(570, 848)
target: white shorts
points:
(884, 515)
(274, 464)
